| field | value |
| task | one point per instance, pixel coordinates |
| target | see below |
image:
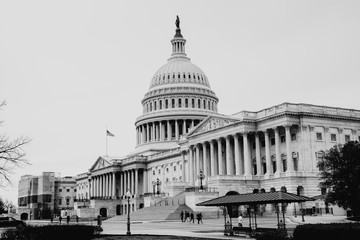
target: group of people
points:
(189, 216)
(67, 219)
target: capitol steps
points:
(167, 212)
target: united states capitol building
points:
(187, 152)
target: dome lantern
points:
(178, 42)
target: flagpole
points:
(106, 143)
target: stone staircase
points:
(163, 212)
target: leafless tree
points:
(11, 155)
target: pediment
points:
(211, 123)
(100, 163)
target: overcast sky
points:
(69, 69)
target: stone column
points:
(136, 182)
(183, 167)
(145, 181)
(277, 150)
(191, 166)
(192, 123)
(169, 130)
(257, 153)
(237, 155)
(176, 130)
(247, 160)
(153, 132)
(121, 183)
(114, 185)
(267, 152)
(229, 165)
(220, 160)
(184, 127)
(161, 131)
(290, 162)
(205, 165)
(212, 158)
(197, 166)
(147, 132)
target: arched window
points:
(155, 105)
(192, 103)
(173, 103)
(150, 106)
(186, 102)
(199, 103)
(166, 103)
(179, 103)
(204, 102)
(160, 104)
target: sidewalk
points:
(318, 219)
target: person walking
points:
(239, 219)
(68, 219)
(192, 217)
(187, 215)
(182, 216)
(77, 218)
(60, 218)
(199, 217)
(99, 220)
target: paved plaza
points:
(211, 228)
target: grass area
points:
(147, 237)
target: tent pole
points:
(277, 214)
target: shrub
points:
(272, 235)
(51, 232)
(348, 231)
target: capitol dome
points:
(178, 99)
(179, 70)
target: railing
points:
(297, 108)
(129, 160)
(163, 154)
(204, 189)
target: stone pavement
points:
(211, 228)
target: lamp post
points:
(128, 195)
(201, 177)
(158, 182)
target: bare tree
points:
(11, 155)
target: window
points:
(180, 167)
(74, 190)
(179, 103)
(282, 139)
(272, 140)
(159, 171)
(67, 190)
(60, 202)
(323, 191)
(173, 103)
(167, 170)
(293, 137)
(186, 102)
(160, 104)
(154, 172)
(174, 168)
(67, 201)
(60, 190)
(347, 138)
(319, 136)
(333, 137)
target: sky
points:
(69, 70)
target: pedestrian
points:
(77, 218)
(99, 220)
(240, 220)
(51, 218)
(199, 217)
(68, 219)
(187, 215)
(60, 218)
(182, 216)
(192, 217)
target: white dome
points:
(179, 70)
